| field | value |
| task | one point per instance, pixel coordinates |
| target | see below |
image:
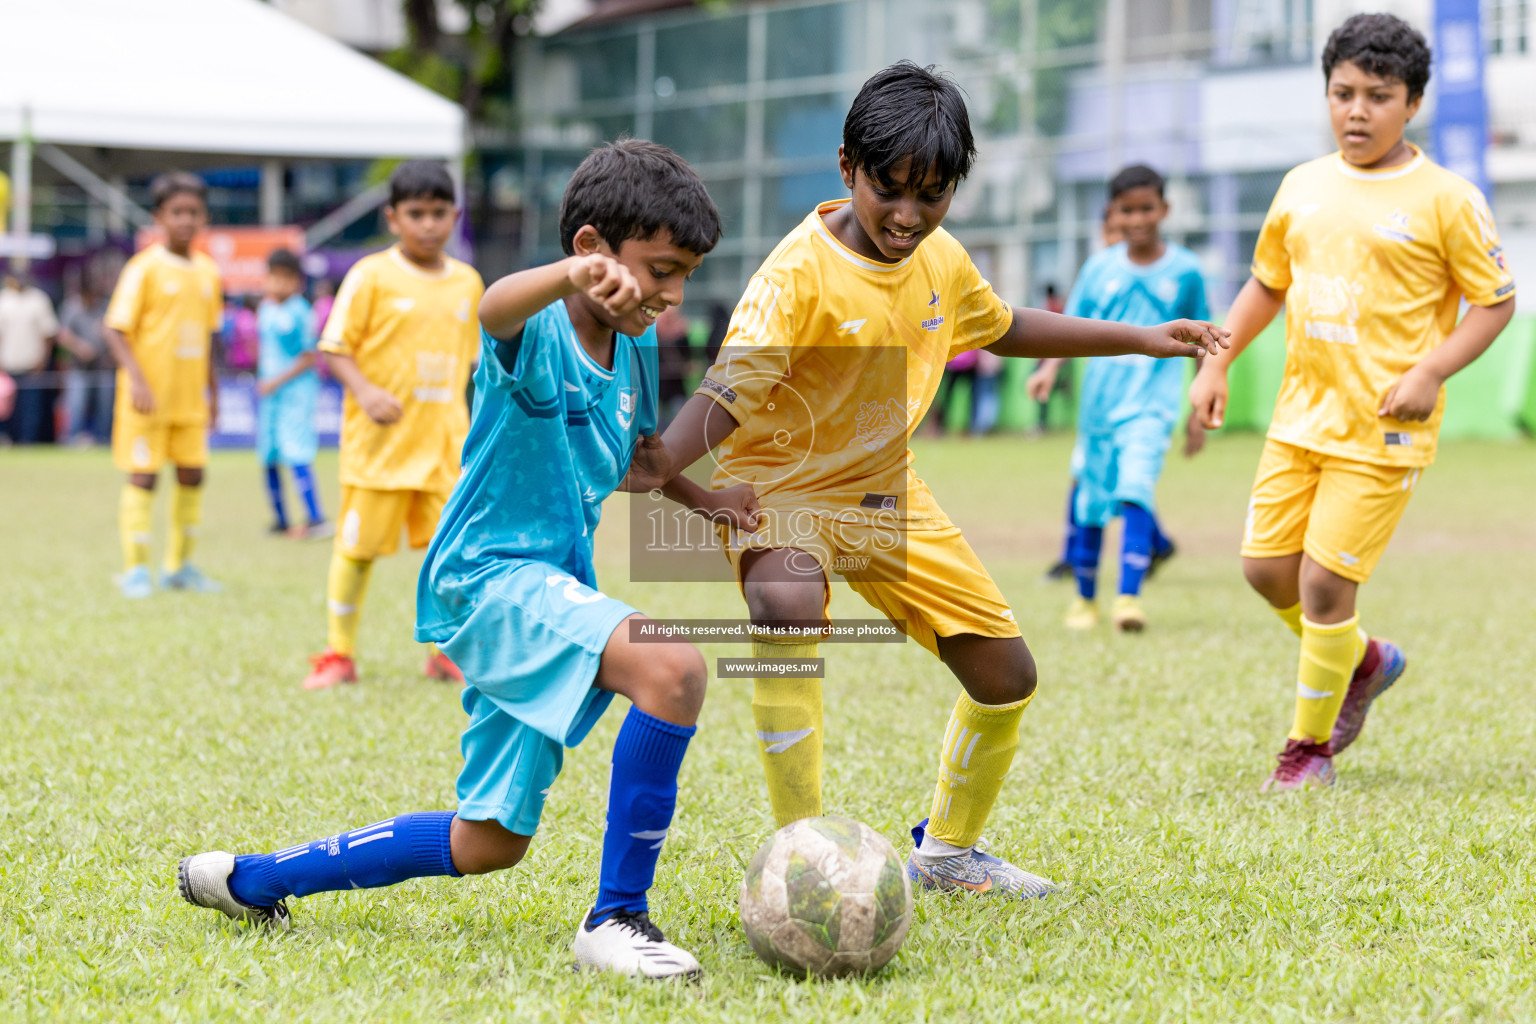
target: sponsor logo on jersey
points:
(1396, 227)
(1400, 438)
(933, 323)
(878, 501)
(1497, 255)
(720, 389)
(626, 413)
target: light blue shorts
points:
(1121, 465)
(285, 425)
(529, 652)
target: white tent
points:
(207, 76)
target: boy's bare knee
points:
(778, 601)
(675, 681)
(480, 847)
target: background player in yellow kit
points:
(833, 355)
(1370, 251)
(159, 324)
(402, 338)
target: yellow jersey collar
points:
(842, 250)
(166, 256)
(1349, 170)
(411, 268)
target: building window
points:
(1505, 25)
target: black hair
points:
(909, 111)
(420, 179)
(1381, 45)
(1134, 176)
(173, 183)
(633, 188)
(282, 259)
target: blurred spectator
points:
(325, 298)
(674, 360)
(28, 331)
(1054, 303)
(963, 366)
(241, 338)
(719, 324)
(89, 385)
(985, 401)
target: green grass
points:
(137, 733)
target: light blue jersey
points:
(507, 589)
(285, 423)
(1129, 404)
(1111, 287)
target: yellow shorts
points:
(928, 582)
(371, 520)
(142, 444)
(1339, 511)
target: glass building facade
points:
(1061, 93)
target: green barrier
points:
(1495, 397)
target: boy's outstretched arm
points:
(1255, 306)
(1414, 395)
(507, 304)
(1041, 334)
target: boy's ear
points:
(589, 240)
(845, 168)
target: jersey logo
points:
(934, 301)
(575, 591)
(626, 415)
(1307, 209)
(933, 323)
(852, 326)
(879, 501)
(878, 423)
(1333, 297)
(463, 313)
(1399, 438)
(1497, 255)
(404, 304)
(1396, 227)
(171, 287)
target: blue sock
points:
(275, 494)
(389, 851)
(1160, 542)
(1072, 527)
(304, 480)
(1084, 556)
(1135, 547)
(642, 794)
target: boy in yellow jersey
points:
(832, 357)
(402, 338)
(1370, 250)
(158, 325)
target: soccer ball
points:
(826, 896)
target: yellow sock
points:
(344, 601)
(1291, 617)
(1329, 655)
(134, 525)
(186, 515)
(787, 715)
(978, 750)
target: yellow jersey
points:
(167, 307)
(1374, 264)
(413, 333)
(829, 364)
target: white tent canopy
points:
(206, 76)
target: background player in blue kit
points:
(565, 411)
(289, 388)
(1129, 404)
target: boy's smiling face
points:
(659, 267)
(890, 219)
(1137, 213)
(1367, 113)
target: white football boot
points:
(204, 882)
(628, 943)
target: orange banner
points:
(241, 252)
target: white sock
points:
(936, 848)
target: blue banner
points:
(237, 413)
(1460, 133)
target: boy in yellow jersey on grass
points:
(833, 355)
(402, 339)
(163, 313)
(1370, 251)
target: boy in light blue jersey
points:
(565, 413)
(288, 388)
(1128, 404)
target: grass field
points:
(137, 733)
